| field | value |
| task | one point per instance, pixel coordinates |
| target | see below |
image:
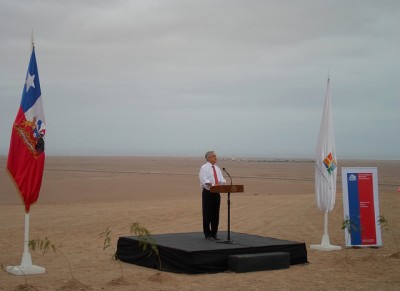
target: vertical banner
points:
(361, 206)
(325, 160)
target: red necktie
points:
(215, 176)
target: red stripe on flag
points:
(367, 209)
(25, 168)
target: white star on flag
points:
(29, 82)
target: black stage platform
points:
(191, 253)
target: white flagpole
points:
(325, 242)
(26, 267)
(26, 257)
(325, 237)
(32, 41)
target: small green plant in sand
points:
(106, 235)
(351, 228)
(146, 240)
(384, 224)
(45, 245)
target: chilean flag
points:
(362, 208)
(26, 155)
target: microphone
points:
(223, 169)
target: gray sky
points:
(245, 78)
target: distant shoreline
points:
(221, 158)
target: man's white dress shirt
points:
(206, 175)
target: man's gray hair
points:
(208, 154)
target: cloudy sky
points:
(179, 77)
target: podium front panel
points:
(227, 189)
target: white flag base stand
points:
(26, 267)
(25, 270)
(325, 243)
(20, 270)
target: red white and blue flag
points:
(26, 155)
(361, 206)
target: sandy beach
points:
(82, 196)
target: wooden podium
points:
(228, 189)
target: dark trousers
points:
(211, 204)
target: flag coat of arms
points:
(325, 162)
(26, 154)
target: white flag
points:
(325, 161)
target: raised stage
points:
(191, 253)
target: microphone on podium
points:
(223, 169)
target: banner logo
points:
(352, 177)
(330, 163)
